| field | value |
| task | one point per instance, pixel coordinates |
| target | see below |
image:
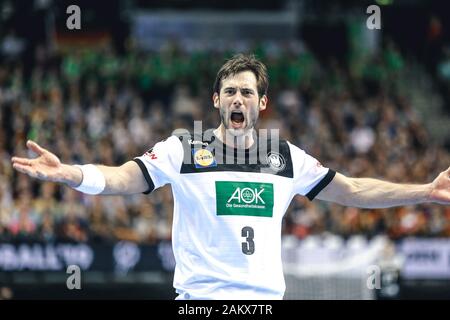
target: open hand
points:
(46, 166)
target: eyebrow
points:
(243, 88)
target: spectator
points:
(360, 127)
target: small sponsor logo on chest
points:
(203, 158)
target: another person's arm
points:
(125, 179)
(374, 193)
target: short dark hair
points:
(244, 62)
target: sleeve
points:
(161, 164)
(310, 177)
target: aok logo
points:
(247, 195)
(244, 198)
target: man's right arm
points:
(126, 179)
(122, 180)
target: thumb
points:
(35, 147)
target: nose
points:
(237, 100)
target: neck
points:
(244, 141)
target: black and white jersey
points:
(228, 210)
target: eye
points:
(229, 91)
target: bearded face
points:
(239, 103)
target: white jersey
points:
(228, 210)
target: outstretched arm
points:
(125, 179)
(374, 193)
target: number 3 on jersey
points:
(248, 247)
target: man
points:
(228, 214)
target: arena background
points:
(372, 103)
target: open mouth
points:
(237, 117)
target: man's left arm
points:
(374, 193)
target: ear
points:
(263, 103)
(215, 99)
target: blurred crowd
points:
(96, 106)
